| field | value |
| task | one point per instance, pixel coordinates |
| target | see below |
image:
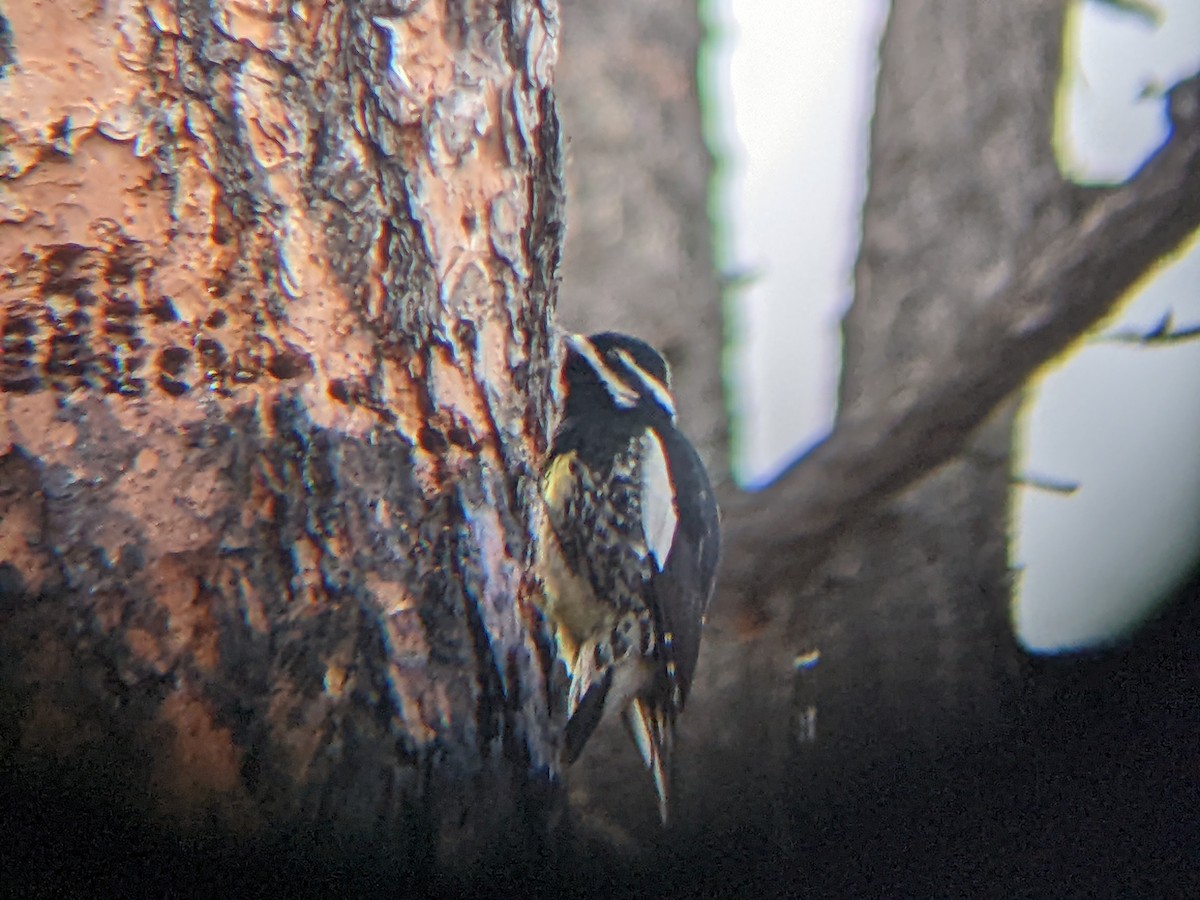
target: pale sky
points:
(801, 78)
(1124, 422)
(1120, 420)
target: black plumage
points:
(631, 549)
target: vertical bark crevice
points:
(283, 370)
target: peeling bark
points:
(276, 377)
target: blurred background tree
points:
(864, 717)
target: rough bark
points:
(275, 295)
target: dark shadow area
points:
(1094, 793)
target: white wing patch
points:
(659, 515)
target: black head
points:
(619, 372)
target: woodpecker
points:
(630, 547)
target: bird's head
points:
(619, 371)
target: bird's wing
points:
(683, 589)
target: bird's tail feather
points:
(652, 733)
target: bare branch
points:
(1046, 483)
(1066, 284)
(1149, 13)
(1164, 332)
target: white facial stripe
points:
(659, 517)
(622, 395)
(659, 390)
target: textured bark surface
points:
(275, 288)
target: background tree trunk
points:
(963, 176)
(924, 753)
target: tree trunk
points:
(963, 176)
(276, 380)
(276, 384)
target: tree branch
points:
(1066, 284)
(1164, 332)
